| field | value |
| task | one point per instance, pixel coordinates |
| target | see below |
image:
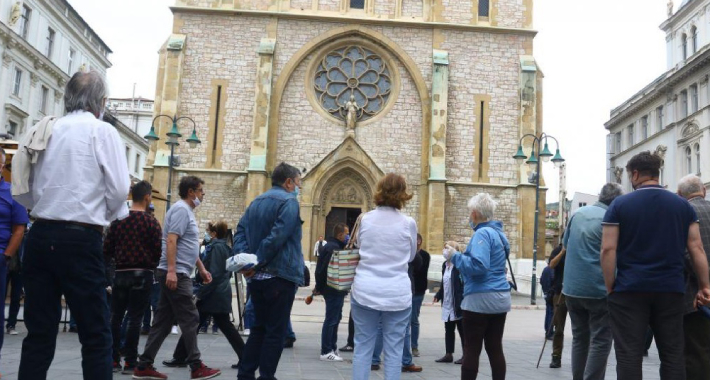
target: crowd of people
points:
(626, 265)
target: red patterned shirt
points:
(134, 242)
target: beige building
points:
(443, 90)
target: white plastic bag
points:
(241, 261)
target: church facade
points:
(439, 91)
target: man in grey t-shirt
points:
(179, 258)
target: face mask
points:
(101, 116)
(296, 191)
(196, 201)
(347, 238)
(207, 237)
(471, 224)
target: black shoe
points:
(235, 366)
(347, 348)
(375, 367)
(448, 358)
(460, 361)
(145, 331)
(556, 362)
(72, 329)
(289, 342)
(645, 353)
(173, 363)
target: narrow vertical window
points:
(617, 138)
(688, 160)
(693, 98)
(483, 8)
(18, 83)
(25, 21)
(216, 124)
(659, 118)
(481, 131)
(137, 164)
(357, 4)
(644, 128)
(697, 159)
(70, 61)
(481, 138)
(44, 100)
(630, 129)
(684, 46)
(694, 40)
(683, 104)
(51, 34)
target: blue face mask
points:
(207, 237)
(297, 191)
(347, 238)
(473, 226)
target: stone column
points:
(258, 177)
(437, 150)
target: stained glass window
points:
(357, 4)
(352, 71)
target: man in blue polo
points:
(644, 238)
(13, 219)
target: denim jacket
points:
(271, 229)
(482, 266)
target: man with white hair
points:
(78, 186)
(695, 324)
(584, 289)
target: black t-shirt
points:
(420, 274)
(558, 279)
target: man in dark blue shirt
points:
(13, 219)
(645, 235)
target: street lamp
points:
(173, 136)
(537, 156)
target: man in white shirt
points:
(316, 249)
(78, 186)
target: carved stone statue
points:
(618, 171)
(352, 109)
(15, 14)
(670, 8)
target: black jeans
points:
(14, 278)
(130, 296)
(174, 305)
(63, 258)
(221, 320)
(631, 313)
(479, 330)
(697, 346)
(272, 299)
(450, 334)
(154, 297)
(351, 331)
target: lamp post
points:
(534, 161)
(173, 136)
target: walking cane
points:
(66, 309)
(554, 314)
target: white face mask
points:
(196, 202)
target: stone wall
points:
(511, 13)
(385, 8)
(329, 5)
(457, 11)
(301, 4)
(482, 63)
(456, 226)
(412, 8)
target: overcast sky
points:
(594, 55)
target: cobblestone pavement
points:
(522, 343)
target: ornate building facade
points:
(437, 90)
(671, 115)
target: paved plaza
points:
(523, 340)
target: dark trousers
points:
(631, 313)
(559, 322)
(697, 346)
(222, 321)
(63, 258)
(130, 296)
(272, 300)
(351, 331)
(450, 335)
(549, 312)
(483, 330)
(591, 337)
(174, 305)
(154, 297)
(333, 314)
(14, 279)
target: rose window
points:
(353, 71)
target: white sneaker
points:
(245, 332)
(174, 331)
(331, 357)
(11, 331)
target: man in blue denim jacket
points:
(271, 229)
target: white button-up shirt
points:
(447, 304)
(83, 174)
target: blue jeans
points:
(333, 314)
(272, 299)
(394, 325)
(417, 300)
(591, 337)
(14, 278)
(248, 314)
(289, 333)
(406, 351)
(63, 258)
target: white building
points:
(671, 115)
(42, 43)
(580, 200)
(135, 113)
(136, 146)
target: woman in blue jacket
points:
(486, 293)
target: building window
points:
(70, 61)
(630, 130)
(582, 204)
(357, 4)
(617, 142)
(12, 128)
(137, 164)
(25, 21)
(483, 8)
(683, 104)
(18, 83)
(50, 42)
(693, 98)
(644, 128)
(128, 153)
(697, 159)
(694, 39)
(684, 46)
(44, 100)
(659, 118)
(688, 160)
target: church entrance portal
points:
(341, 215)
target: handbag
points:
(341, 267)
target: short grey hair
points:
(609, 192)
(85, 92)
(690, 184)
(484, 204)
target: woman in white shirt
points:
(382, 291)
(451, 295)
